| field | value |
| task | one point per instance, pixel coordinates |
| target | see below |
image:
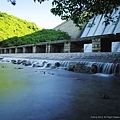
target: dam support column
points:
(24, 50)
(66, 47)
(96, 45)
(5, 51)
(34, 49)
(1, 51)
(16, 50)
(9, 50)
(48, 48)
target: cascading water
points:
(84, 66)
(100, 67)
(107, 68)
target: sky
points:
(33, 12)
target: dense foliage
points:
(44, 35)
(15, 31)
(11, 26)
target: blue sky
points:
(33, 12)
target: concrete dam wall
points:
(102, 43)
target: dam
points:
(95, 36)
(98, 42)
(59, 80)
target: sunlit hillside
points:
(15, 31)
(11, 26)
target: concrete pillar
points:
(9, 50)
(24, 50)
(33, 49)
(16, 49)
(96, 45)
(5, 51)
(66, 47)
(48, 48)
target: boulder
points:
(94, 69)
(57, 64)
(14, 61)
(26, 63)
(37, 65)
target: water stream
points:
(51, 93)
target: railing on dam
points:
(99, 44)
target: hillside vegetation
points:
(15, 31)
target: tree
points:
(80, 11)
(13, 2)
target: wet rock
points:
(44, 63)
(117, 69)
(3, 66)
(94, 69)
(19, 61)
(103, 95)
(48, 65)
(57, 64)
(26, 63)
(1, 58)
(81, 68)
(19, 68)
(71, 66)
(37, 65)
(13, 61)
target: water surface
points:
(44, 94)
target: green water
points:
(10, 78)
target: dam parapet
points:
(99, 43)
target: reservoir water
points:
(56, 94)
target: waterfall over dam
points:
(106, 63)
(97, 46)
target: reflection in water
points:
(9, 79)
(36, 94)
